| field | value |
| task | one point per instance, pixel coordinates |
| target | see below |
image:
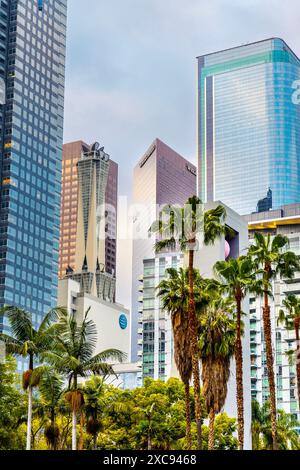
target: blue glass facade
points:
(32, 66)
(249, 126)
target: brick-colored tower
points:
(69, 207)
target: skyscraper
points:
(69, 203)
(111, 201)
(249, 126)
(161, 177)
(69, 206)
(32, 68)
(89, 267)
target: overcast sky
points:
(131, 72)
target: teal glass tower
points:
(32, 69)
(249, 126)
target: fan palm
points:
(272, 256)
(30, 343)
(182, 227)
(238, 278)
(292, 322)
(174, 293)
(73, 356)
(216, 346)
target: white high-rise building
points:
(285, 221)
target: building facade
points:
(112, 320)
(87, 286)
(69, 203)
(155, 343)
(127, 376)
(89, 267)
(161, 177)
(285, 221)
(249, 126)
(32, 69)
(69, 208)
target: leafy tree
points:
(157, 414)
(238, 277)
(73, 356)
(225, 429)
(262, 438)
(13, 405)
(216, 346)
(183, 227)
(30, 343)
(272, 256)
(292, 322)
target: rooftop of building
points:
(241, 46)
(79, 145)
(158, 144)
(285, 215)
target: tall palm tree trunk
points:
(74, 423)
(297, 325)
(211, 434)
(95, 441)
(29, 418)
(188, 415)
(52, 419)
(80, 443)
(239, 376)
(270, 367)
(193, 333)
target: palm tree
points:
(51, 391)
(238, 278)
(257, 424)
(94, 406)
(174, 292)
(216, 346)
(182, 227)
(73, 356)
(272, 256)
(292, 322)
(30, 343)
(288, 438)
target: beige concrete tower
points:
(90, 268)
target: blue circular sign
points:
(123, 322)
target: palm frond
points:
(167, 244)
(108, 355)
(20, 323)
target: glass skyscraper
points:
(32, 68)
(249, 126)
